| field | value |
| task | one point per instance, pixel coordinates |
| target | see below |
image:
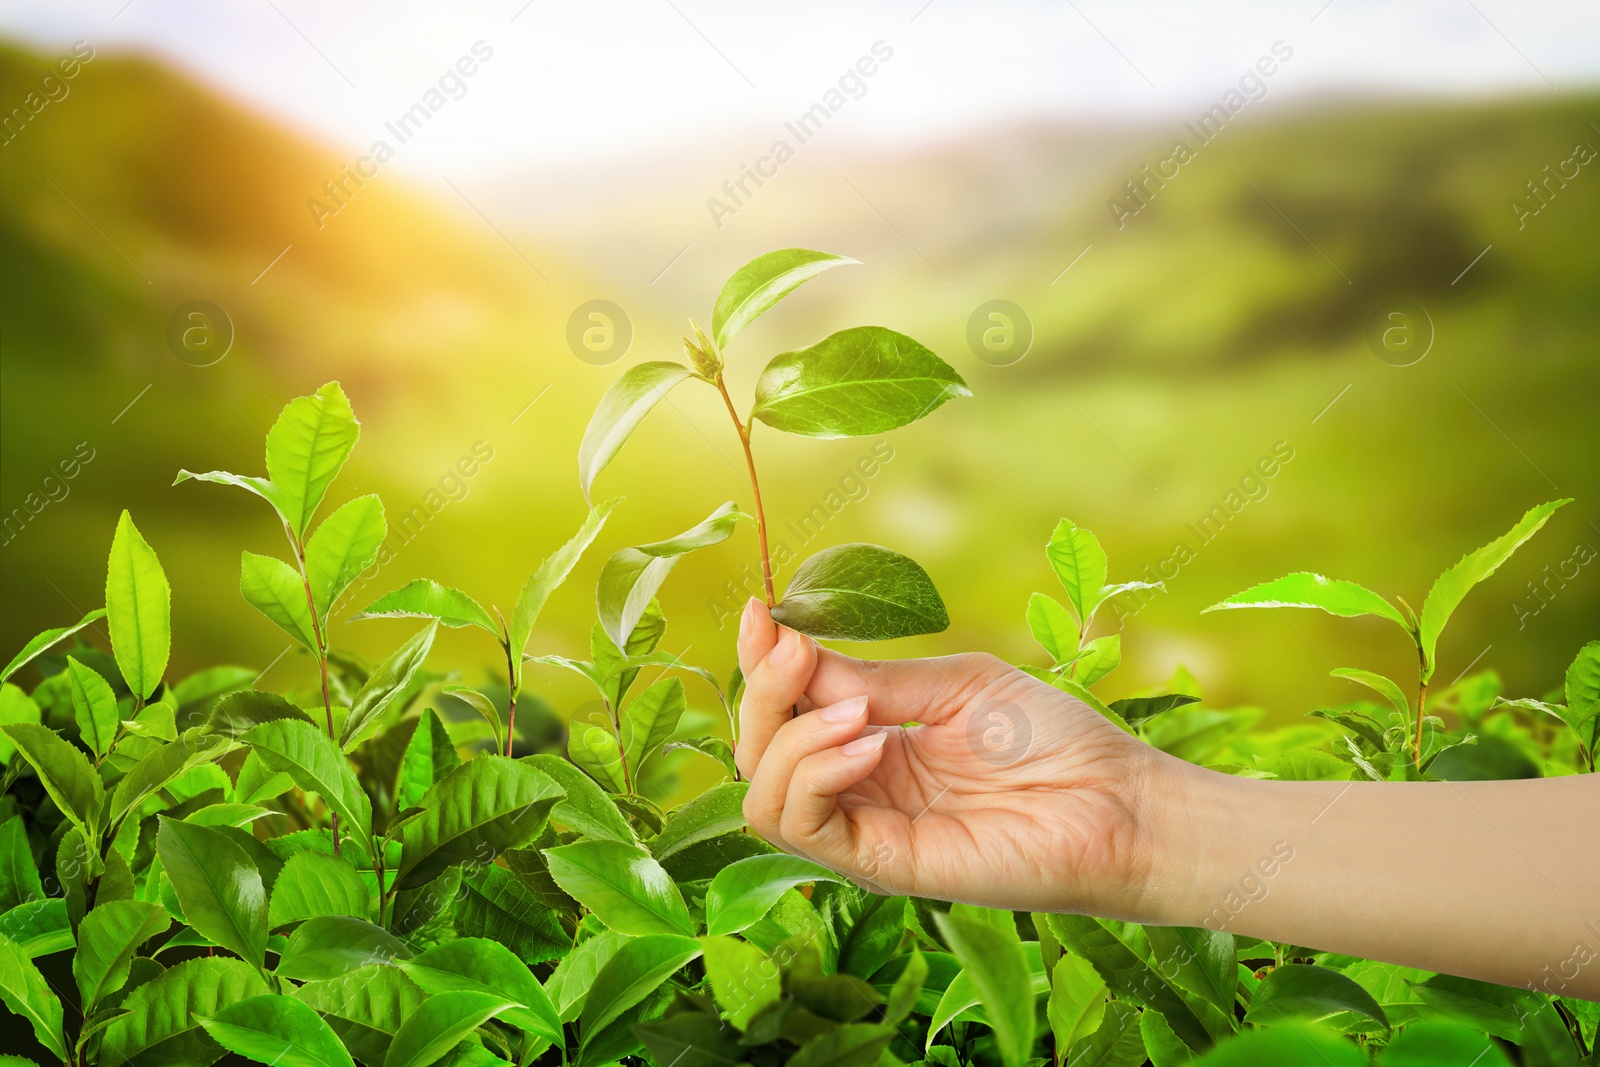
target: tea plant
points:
(348, 872)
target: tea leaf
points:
(631, 577)
(429, 756)
(328, 946)
(386, 681)
(94, 707)
(1379, 684)
(1451, 587)
(1080, 565)
(364, 1007)
(158, 769)
(1583, 696)
(1053, 627)
(620, 411)
(992, 959)
(717, 811)
(483, 807)
(40, 926)
(761, 283)
(551, 573)
(1202, 961)
(64, 772)
(1165, 1048)
(107, 939)
(649, 719)
(277, 1030)
(907, 988)
(306, 449)
(585, 808)
(485, 707)
(691, 1039)
(275, 589)
(240, 711)
(1116, 1042)
(636, 971)
(1135, 710)
(261, 487)
(315, 763)
(859, 592)
(138, 609)
(313, 884)
(25, 992)
(218, 886)
(438, 1023)
(623, 885)
(1303, 589)
(19, 875)
(856, 382)
(595, 749)
(1077, 1001)
(1099, 658)
(744, 891)
(342, 547)
(1305, 991)
(1440, 1044)
(45, 640)
(495, 905)
(425, 599)
(478, 965)
(743, 978)
(715, 747)
(574, 975)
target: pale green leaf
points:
(387, 680)
(277, 1030)
(138, 609)
(276, 589)
(755, 287)
(94, 707)
(1303, 589)
(630, 578)
(623, 885)
(44, 640)
(620, 411)
(344, 545)
(425, 599)
(746, 890)
(306, 448)
(551, 573)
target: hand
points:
(1007, 792)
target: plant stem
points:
(622, 755)
(743, 430)
(322, 650)
(1422, 696)
(511, 696)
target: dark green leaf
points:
(860, 381)
(19, 875)
(94, 707)
(1135, 710)
(25, 992)
(637, 969)
(138, 609)
(907, 988)
(330, 945)
(344, 545)
(585, 809)
(475, 964)
(691, 1039)
(630, 578)
(364, 1007)
(761, 283)
(430, 755)
(859, 592)
(1296, 991)
(64, 772)
(315, 763)
(277, 1030)
(992, 957)
(160, 1026)
(717, 811)
(482, 808)
(867, 926)
(218, 886)
(851, 1045)
(623, 885)
(306, 448)
(388, 680)
(493, 905)
(624, 406)
(45, 640)
(743, 892)
(1200, 960)
(438, 1023)
(238, 712)
(107, 939)
(313, 884)
(425, 599)
(1303, 589)
(276, 589)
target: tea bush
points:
(363, 871)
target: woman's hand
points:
(1008, 792)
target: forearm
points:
(1498, 881)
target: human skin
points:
(1010, 793)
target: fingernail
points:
(844, 711)
(861, 746)
(788, 647)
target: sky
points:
(575, 85)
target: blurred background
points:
(1355, 244)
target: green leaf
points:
(867, 926)
(623, 885)
(1308, 1045)
(761, 283)
(19, 875)
(1379, 684)
(159, 769)
(691, 1039)
(107, 939)
(650, 719)
(94, 707)
(1117, 1042)
(45, 640)
(1583, 696)
(277, 1030)
(1200, 960)
(1305, 991)
(1451, 587)
(387, 680)
(551, 573)
(1303, 589)
(861, 381)
(138, 609)
(746, 890)
(1099, 658)
(1053, 627)
(851, 1045)
(306, 449)
(1165, 1048)
(250, 483)
(585, 809)
(620, 411)
(1077, 1001)
(275, 589)
(743, 978)
(859, 592)
(715, 748)
(478, 965)
(494, 905)
(438, 1023)
(630, 578)
(161, 1026)
(25, 992)
(992, 959)
(425, 599)
(305, 754)
(313, 884)
(717, 811)
(239, 711)
(218, 886)
(40, 926)
(64, 772)
(907, 988)
(574, 975)
(1080, 565)
(482, 808)
(330, 945)
(485, 708)
(1135, 710)
(364, 1007)
(636, 971)
(344, 545)
(1440, 1044)
(430, 755)
(595, 749)
(15, 707)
